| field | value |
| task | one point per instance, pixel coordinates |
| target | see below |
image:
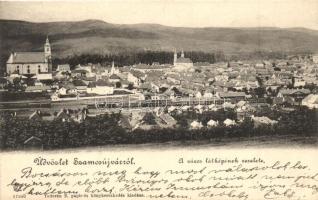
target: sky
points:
(185, 13)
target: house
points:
(63, 115)
(140, 75)
(43, 77)
(229, 122)
(231, 96)
(62, 91)
(168, 120)
(212, 107)
(311, 101)
(228, 105)
(133, 79)
(196, 125)
(149, 121)
(273, 83)
(134, 120)
(171, 109)
(100, 87)
(36, 115)
(212, 123)
(114, 78)
(296, 95)
(80, 85)
(221, 78)
(155, 67)
(79, 73)
(63, 68)
(30, 63)
(198, 94)
(83, 71)
(299, 82)
(60, 75)
(168, 94)
(79, 115)
(173, 80)
(39, 115)
(198, 108)
(259, 121)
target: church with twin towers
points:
(182, 63)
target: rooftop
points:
(27, 57)
(183, 60)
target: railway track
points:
(111, 103)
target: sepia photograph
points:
(99, 77)
(77, 74)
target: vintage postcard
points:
(158, 99)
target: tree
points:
(260, 91)
(29, 81)
(270, 91)
(16, 81)
(130, 86)
(260, 81)
(118, 84)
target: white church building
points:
(30, 63)
(181, 63)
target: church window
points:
(39, 69)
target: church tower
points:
(175, 57)
(47, 54)
(182, 54)
(113, 70)
(47, 50)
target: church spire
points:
(47, 49)
(175, 56)
(47, 39)
(112, 70)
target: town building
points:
(30, 63)
(63, 68)
(182, 63)
(311, 101)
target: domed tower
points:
(47, 49)
(47, 54)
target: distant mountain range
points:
(95, 36)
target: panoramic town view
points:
(177, 90)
